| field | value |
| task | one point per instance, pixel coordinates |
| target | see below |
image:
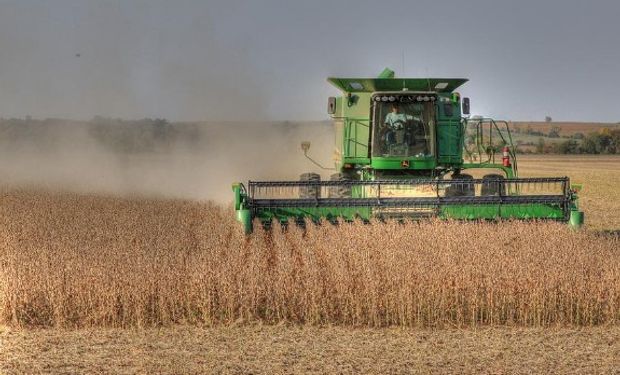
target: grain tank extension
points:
(407, 148)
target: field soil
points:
(312, 350)
(155, 339)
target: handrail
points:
(480, 139)
(348, 139)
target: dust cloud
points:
(197, 161)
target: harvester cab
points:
(405, 148)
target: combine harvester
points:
(404, 147)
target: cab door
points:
(449, 132)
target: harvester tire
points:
(312, 192)
(343, 191)
(461, 187)
(492, 184)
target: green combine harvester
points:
(407, 148)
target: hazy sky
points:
(240, 60)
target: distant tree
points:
(614, 136)
(591, 144)
(554, 132)
(606, 141)
(568, 147)
(548, 119)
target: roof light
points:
(441, 85)
(356, 85)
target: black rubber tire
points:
(461, 187)
(306, 192)
(492, 184)
(339, 191)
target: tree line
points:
(605, 141)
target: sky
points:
(268, 60)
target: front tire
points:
(461, 186)
(341, 191)
(493, 184)
(310, 192)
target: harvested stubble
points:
(85, 261)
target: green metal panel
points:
(449, 141)
(339, 107)
(369, 85)
(386, 73)
(505, 211)
(360, 161)
(356, 106)
(397, 163)
(449, 131)
(576, 218)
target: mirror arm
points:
(316, 163)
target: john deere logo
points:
(404, 163)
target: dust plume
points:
(154, 157)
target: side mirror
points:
(331, 105)
(466, 106)
(305, 146)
